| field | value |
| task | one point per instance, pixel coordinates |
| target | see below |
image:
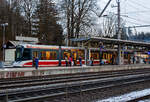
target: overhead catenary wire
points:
(138, 13)
(135, 12)
(134, 23)
(131, 4)
(138, 20)
(140, 4)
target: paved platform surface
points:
(22, 72)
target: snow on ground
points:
(128, 96)
(145, 101)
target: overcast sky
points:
(137, 12)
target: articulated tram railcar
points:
(104, 54)
(48, 55)
(109, 56)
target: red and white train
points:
(55, 55)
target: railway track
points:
(39, 89)
(62, 79)
(62, 75)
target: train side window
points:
(53, 55)
(95, 55)
(104, 55)
(48, 55)
(66, 53)
(92, 55)
(43, 55)
(81, 54)
(35, 54)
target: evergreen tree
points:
(46, 23)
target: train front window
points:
(23, 54)
(26, 54)
(18, 54)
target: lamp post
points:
(4, 28)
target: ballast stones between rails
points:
(57, 85)
(73, 87)
(8, 84)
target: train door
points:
(109, 58)
(81, 53)
(104, 58)
(74, 56)
(66, 53)
(34, 55)
(95, 57)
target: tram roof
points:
(113, 41)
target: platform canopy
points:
(80, 39)
(112, 41)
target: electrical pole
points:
(119, 34)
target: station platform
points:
(41, 71)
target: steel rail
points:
(28, 83)
(61, 75)
(75, 86)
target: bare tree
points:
(28, 9)
(78, 16)
(16, 20)
(10, 12)
(109, 25)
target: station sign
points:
(32, 39)
(148, 52)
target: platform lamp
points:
(4, 29)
